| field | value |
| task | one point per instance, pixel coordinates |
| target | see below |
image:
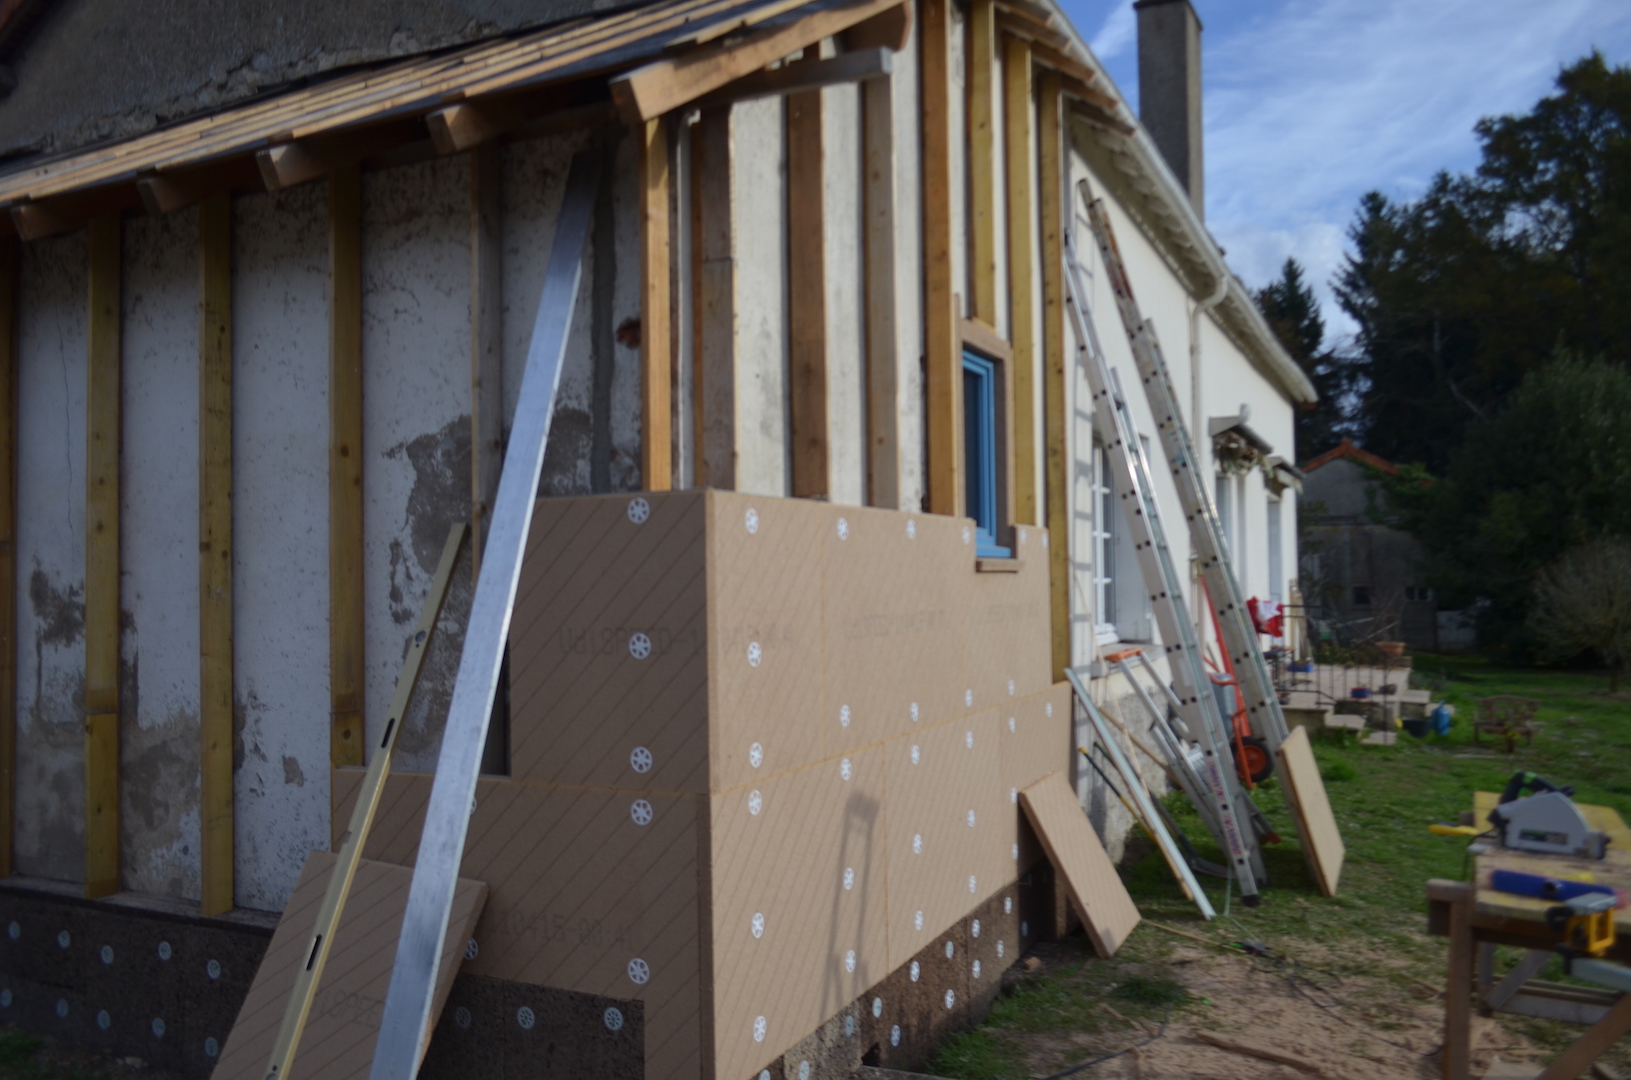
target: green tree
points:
(1461, 293)
(1548, 473)
(1290, 307)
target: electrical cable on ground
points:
(1074, 1069)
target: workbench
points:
(1476, 919)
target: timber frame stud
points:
(345, 553)
(941, 338)
(102, 562)
(1050, 145)
(1018, 113)
(656, 352)
(807, 289)
(215, 551)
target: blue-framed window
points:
(980, 451)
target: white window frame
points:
(1277, 564)
(1104, 546)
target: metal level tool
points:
(404, 1026)
(1227, 806)
(310, 977)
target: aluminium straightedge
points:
(404, 1025)
(1227, 805)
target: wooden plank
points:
(883, 405)
(943, 375)
(1079, 859)
(667, 84)
(1018, 111)
(714, 322)
(1316, 824)
(321, 938)
(983, 338)
(1597, 1040)
(63, 214)
(982, 163)
(310, 159)
(656, 351)
(1458, 896)
(345, 566)
(215, 551)
(1010, 24)
(1099, 118)
(344, 1026)
(890, 29)
(807, 292)
(165, 193)
(1261, 1051)
(102, 563)
(1051, 191)
(860, 66)
(486, 340)
(9, 419)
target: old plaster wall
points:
(50, 799)
(416, 429)
(908, 357)
(759, 238)
(158, 544)
(280, 444)
(845, 294)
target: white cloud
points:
(1310, 106)
(1119, 30)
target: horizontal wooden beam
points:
(667, 84)
(890, 29)
(852, 67)
(63, 214)
(983, 338)
(1031, 12)
(1030, 31)
(1075, 88)
(167, 192)
(468, 124)
(1096, 116)
(1082, 75)
(304, 160)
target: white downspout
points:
(1197, 428)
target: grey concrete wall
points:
(158, 545)
(280, 535)
(50, 800)
(845, 294)
(98, 69)
(759, 235)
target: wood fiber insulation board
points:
(940, 866)
(1008, 632)
(578, 891)
(764, 634)
(1316, 824)
(1095, 889)
(1033, 740)
(787, 862)
(896, 603)
(343, 1025)
(608, 644)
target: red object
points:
(1267, 617)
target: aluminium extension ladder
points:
(1223, 803)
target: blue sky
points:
(1311, 103)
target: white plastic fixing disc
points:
(843, 528)
(849, 960)
(894, 1035)
(877, 1007)
(639, 972)
(756, 755)
(751, 520)
(849, 878)
(968, 698)
(917, 922)
(976, 969)
(758, 925)
(526, 1018)
(639, 646)
(916, 971)
(951, 950)
(755, 654)
(759, 1029)
(974, 928)
(612, 1018)
(639, 510)
(756, 802)
(917, 755)
(845, 770)
(951, 998)
(640, 812)
(1008, 905)
(640, 759)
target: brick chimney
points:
(1169, 89)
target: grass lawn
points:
(1370, 938)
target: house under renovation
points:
(825, 513)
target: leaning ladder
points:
(1224, 805)
(1205, 531)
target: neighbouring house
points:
(823, 516)
(1362, 576)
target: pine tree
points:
(1291, 308)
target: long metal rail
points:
(404, 1026)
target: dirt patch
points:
(1378, 1026)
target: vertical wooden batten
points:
(982, 186)
(883, 404)
(1050, 145)
(714, 321)
(8, 549)
(943, 375)
(102, 561)
(807, 291)
(1018, 107)
(656, 354)
(345, 563)
(215, 551)
(486, 340)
